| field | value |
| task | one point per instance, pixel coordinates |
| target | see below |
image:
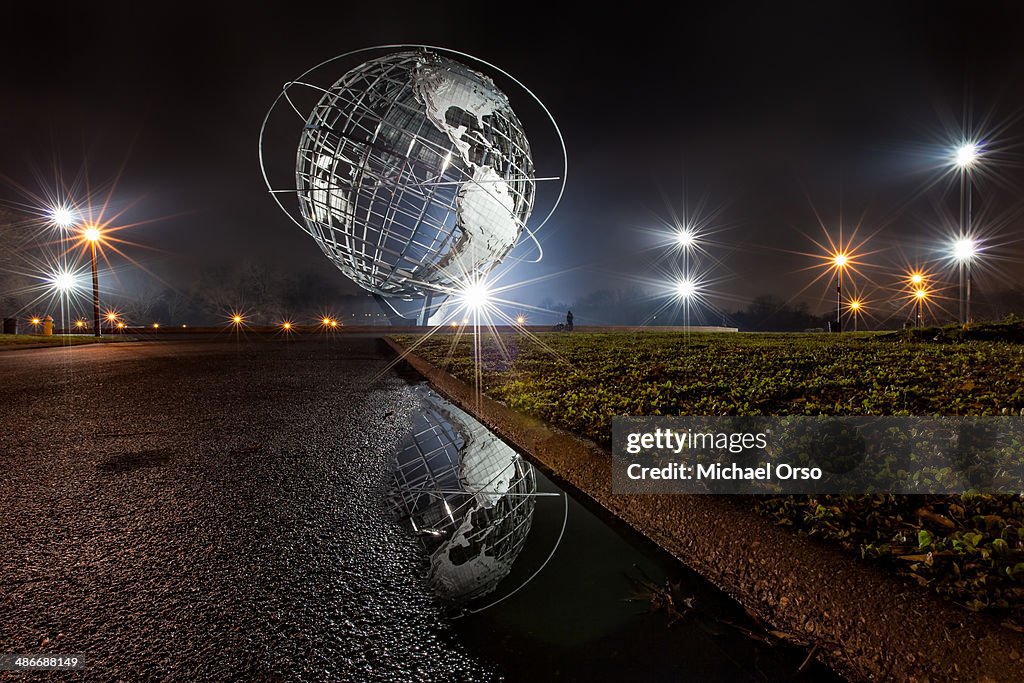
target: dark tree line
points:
(265, 296)
(766, 313)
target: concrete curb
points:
(869, 625)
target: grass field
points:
(10, 341)
(969, 548)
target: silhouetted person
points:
(568, 321)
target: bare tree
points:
(14, 240)
(143, 303)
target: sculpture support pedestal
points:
(409, 316)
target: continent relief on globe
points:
(485, 206)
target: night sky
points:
(766, 111)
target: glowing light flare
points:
(855, 305)
(686, 238)
(92, 233)
(62, 216)
(921, 294)
(916, 278)
(520, 319)
(966, 155)
(120, 326)
(686, 289)
(475, 295)
(837, 258)
(63, 281)
(156, 326)
(964, 249)
(287, 326)
(35, 321)
(236, 319)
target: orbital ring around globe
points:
(366, 200)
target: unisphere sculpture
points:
(413, 175)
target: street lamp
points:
(840, 261)
(965, 157)
(686, 288)
(964, 251)
(920, 294)
(855, 307)
(93, 235)
(63, 281)
(686, 238)
(62, 216)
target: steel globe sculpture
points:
(413, 174)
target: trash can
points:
(10, 326)
(48, 326)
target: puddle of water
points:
(466, 495)
(543, 588)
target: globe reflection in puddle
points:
(467, 496)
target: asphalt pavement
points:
(213, 510)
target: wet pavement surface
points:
(195, 510)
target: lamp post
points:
(63, 217)
(686, 239)
(92, 235)
(916, 278)
(839, 261)
(855, 308)
(964, 251)
(920, 294)
(964, 248)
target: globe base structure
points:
(403, 313)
